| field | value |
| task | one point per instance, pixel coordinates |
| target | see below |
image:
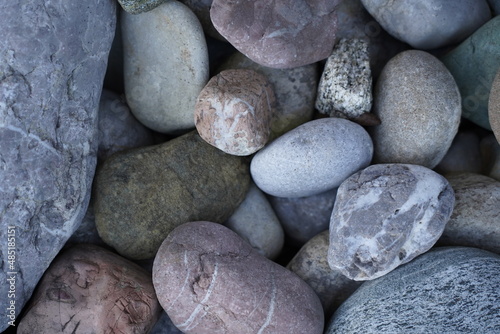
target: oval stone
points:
(418, 103)
(165, 66)
(386, 215)
(209, 280)
(312, 158)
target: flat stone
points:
(475, 220)
(165, 66)
(312, 158)
(53, 58)
(386, 215)
(474, 64)
(141, 195)
(429, 24)
(447, 290)
(463, 155)
(494, 106)
(278, 34)
(139, 6)
(233, 111)
(209, 280)
(418, 103)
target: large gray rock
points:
(52, 62)
(447, 290)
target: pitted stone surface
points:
(53, 58)
(386, 215)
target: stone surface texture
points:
(474, 64)
(475, 220)
(312, 158)
(233, 111)
(429, 24)
(278, 34)
(141, 195)
(385, 216)
(345, 88)
(447, 290)
(165, 66)
(463, 155)
(52, 62)
(139, 6)
(311, 264)
(294, 89)
(494, 106)
(209, 280)
(418, 103)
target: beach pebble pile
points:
(250, 166)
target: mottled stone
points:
(429, 24)
(139, 6)
(494, 106)
(294, 89)
(143, 194)
(311, 264)
(386, 215)
(233, 111)
(475, 220)
(474, 64)
(256, 222)
(304, 217)
(345, 88)
(447, 290)
(52, 62)
(209, 280)
(278, 34)
(88, 289)
(165, 66)
(312, 158)
(463, 155)
(418, 103)
(490, 153)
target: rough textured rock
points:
(386, 215)
(89, 289)
(278, 34)
(143, 194)
(304, 217)
(429, 24)
(209, 280)
(294, 89)
(165, 66)
(418, 103)
(139, 6)
(233, 111)
(312, 158)
(48, 132)
(490, 153)
(447, 290)
(474, 64)
(311, 264)
(463, 155)
(256, 222)
(345, 88)
(475, 220)
(494, 106)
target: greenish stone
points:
(143, 194)
(474, 64)
(140, 6)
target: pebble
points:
(53, 57)
(312, 158)
(278, 34)
(385, 216)
(209, 280)
(143, 194)
(447, 290)
(294, 89)
(463, 155)
(311, 264)
(345, 88)
(233, 111)
(490, 152)
(255, 222)
(304, 217)
(429, 24)
(474, 64)
(494, 106)
(418, 103)
(475, 220)
(139, 6)
(165, 66)
(90, 287)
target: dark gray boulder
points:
(53, 58)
